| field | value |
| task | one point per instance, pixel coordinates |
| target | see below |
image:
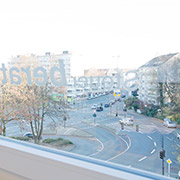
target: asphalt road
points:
(128, 147)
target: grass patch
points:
(59, 142)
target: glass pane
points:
(95, 78)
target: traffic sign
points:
(169, 168)
(169, 161)
(116, 93)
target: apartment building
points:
(149, 76)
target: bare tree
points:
(35, 102)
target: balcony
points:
(29, 161)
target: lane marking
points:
(142, 158)
(155, 144)
(128, 146)
(169, 138)
(178, 145)
(99, 149)
(153, 151)
(149, 137)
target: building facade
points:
(149, 77)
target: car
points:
(106, 105)
(168, 123)
(127, 121)
(28, 134)
(112, 102)
(93, 106)
(124, 109)
(99, 108)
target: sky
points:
(99, 33)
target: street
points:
(101, 137)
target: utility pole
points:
(94, 115)
(162, 154)
(116, 109)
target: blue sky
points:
(133, 31)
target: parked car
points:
(123, 96)
(106, 105)
(93, 106)
(28, 134)
(99, 108)
(168, 123)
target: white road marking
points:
(155, 144)
(178, 145)
(68, 130)
(99, 149)
(149, 137)
(128, 146)
(142, 158)
(153, 151)
(169, 138)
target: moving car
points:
(106, 105)
(168, 123)
(127, 121)
(93, 106)
(99, 108)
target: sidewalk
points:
(67, 131)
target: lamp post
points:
(162, 154)
(116, 57)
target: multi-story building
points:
(149, 79)
(47, 61)
(96, 82)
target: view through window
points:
(95, 78)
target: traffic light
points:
(162, 154)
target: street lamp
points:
(117, 57)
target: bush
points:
(135, 106)
(50, 140)
(131, 101)
(57, 142)
(21, 138)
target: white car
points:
(168, 123)
(127, 121)
(93, 106)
